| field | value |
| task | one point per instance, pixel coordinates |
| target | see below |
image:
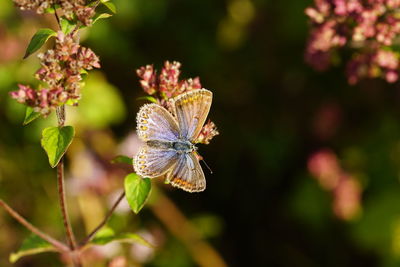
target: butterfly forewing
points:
(156, 123)
(153, 162)
(191, 110)
(187, 174)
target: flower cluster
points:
(345, 189)
(165, 86)
(61, 69)
(71, 9)
(208, 131)
(369, 28)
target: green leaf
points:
(49, 10)
(149, 98)
(107, 235)
(110, 6)
(133, 238)
(122, 159)
(40, 37)
(55, 142)
(66, 26)
(103, 236)
(137, 190)
(100, 16)
(30, 115)
(32, 245)
(72, 102)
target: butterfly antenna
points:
(207, 166)
(205, 163)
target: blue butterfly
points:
(169, 140)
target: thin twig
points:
(57, 244)
(105, 220)
(57, 18)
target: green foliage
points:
(148, 98)
(31, 245)
(101, 104)
(101, 16)
(208, 225)
(107, 235)
(137, 191)
(66, 25)
(52, 10)
(30, 115)
(38, 40)
(380, 212)
(55, 141)
(109, 5)
(122, 159)
(310, 204)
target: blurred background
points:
(305, 170)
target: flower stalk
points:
(56, 244)
(102, 223)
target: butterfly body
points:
(183, 147)
(180, 146)
(170, 140)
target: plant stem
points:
(60, 111)
(63, 204)
(57, 18)
(57, 244)
(105, 220)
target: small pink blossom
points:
(167, 85)
(70, 8)
(325, 167)
(387, 59)
(24, 95)
(61, 69)
(347, 198)
(344, 188)
(169, 78)
(207, 133)
(148, 79)
(364, 27)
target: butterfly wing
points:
(153, 162)
(156, 123)
(191, 110)
(187, 174)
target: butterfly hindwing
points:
(187, 174)
(191, 110)
(156, 123)
(153, 162)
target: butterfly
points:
(169, 138)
